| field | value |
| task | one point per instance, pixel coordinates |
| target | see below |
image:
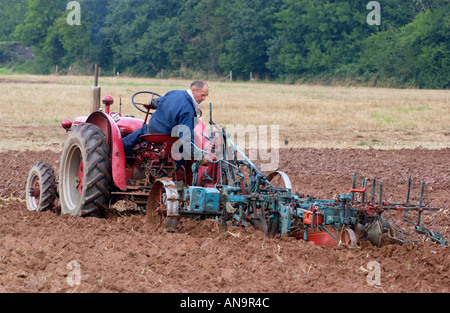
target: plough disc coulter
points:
(95, 173)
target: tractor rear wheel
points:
(41, 188)
(85, 172)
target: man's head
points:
(200, 90)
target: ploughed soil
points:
(47, 252)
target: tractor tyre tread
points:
(97, 176)
(48, 191)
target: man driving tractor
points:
(176, 108)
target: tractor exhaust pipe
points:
(96, 92)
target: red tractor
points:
(95, 172)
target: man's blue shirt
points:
(174, 109)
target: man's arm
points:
(185, 132)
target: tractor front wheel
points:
(85, 172)
(41, 188)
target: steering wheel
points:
(148, 106)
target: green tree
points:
(33, 31)
(130, 33)
(68, 45)
(307, 39)
(251, 27)
(315, 37)
(203, 27)
(11, 15)
(415, 54)
(324, 38)
(39, 17)
(54, 41)
(94, 13)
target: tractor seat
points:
(159, 139)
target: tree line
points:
(325, 41)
